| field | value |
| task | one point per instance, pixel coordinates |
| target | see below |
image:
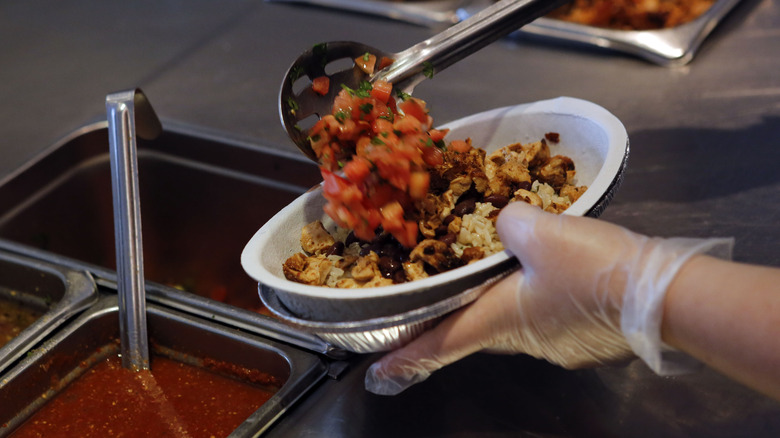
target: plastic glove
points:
(589, 293)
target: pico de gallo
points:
(384, 147)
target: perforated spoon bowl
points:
(300, 106)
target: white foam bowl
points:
(591, 136)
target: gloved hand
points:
(589, 293)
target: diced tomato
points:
(438, 134)
(395, 172)
(319, 139)
(343, 104)
(433, 156)
(382, 127)
(414, 108)
(336, 187)
(459, 146)
(321, 85)
(327, 157)
(418, 184)
(393, 213)
(331, 125)
(406, 234)
(407, 125)
(384, 62)
(366, 62)
(357, 170)
(382, 91)
(347, 130)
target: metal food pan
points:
(59, 293)
(668, 47)
(91, 337)
(202, 198)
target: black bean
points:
(335, 249)
(448, 238)
(498, 201)
(381, 238)
(466, 206)
(394, 251)
(399, 276)
(351, 238)
(366, 249)
(448, 219)
(388, 266)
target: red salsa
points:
(385, 149)
(173, 400)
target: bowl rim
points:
(607, 174)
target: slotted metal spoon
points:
(300, 107)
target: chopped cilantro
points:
(296, 72)
(403, 96)
(366, 57)
(364, 89)
(292, 104)
(366, 108)
(377, 141)
(321, 50)
(427, 70)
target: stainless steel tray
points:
(667, 47)
(47, 370)
(57, 291)
(58, 209)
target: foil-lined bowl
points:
(376, 334)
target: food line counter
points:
(703, 153)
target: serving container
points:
(56, 292)
(668, 47)
(201, 196)
(595, 140)
(92, 336)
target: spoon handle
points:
(412, 65)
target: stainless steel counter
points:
(705, 143)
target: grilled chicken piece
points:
(366, 267)
(528, 197)
(414, 270)
(436, 254)
(307, 270)
(315, 239)
(572, 192)
(507, 170)
(557, 172)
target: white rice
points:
(477, 230)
